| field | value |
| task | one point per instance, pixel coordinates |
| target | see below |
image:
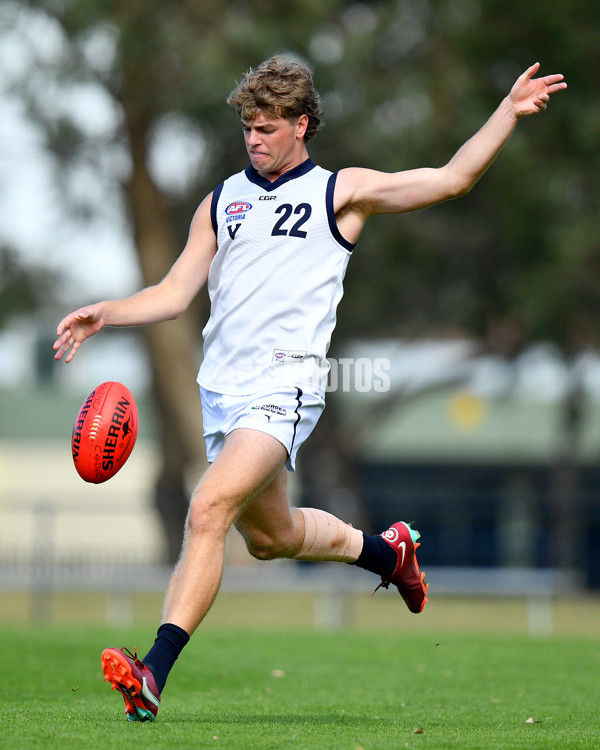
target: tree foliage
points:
(22, 289)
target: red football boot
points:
(135, 681)
(406, 575)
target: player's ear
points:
(301, 126)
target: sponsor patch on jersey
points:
(288, 355)
(238, 207)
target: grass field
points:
(246, 689)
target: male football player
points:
(272, 243)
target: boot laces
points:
(133, 656)
(382, 585)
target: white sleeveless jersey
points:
(274, 283)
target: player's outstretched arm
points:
(528, 96)
(150, 305)
(362, 192)
(164, 301)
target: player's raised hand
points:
(530, 95)
(73, 330)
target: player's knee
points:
(207, 515)
(265, 547)
(265, 551)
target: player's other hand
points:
(530, 95)
(73, 330)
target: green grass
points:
(247, 689)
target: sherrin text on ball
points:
(104, 432)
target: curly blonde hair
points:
(279, 87)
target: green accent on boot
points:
(414, 534)
(142, 714)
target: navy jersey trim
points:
(349, 246)
(213, 207)
(299, 171)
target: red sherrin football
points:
(104, 432)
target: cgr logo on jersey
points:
(288, 355)
(237, 207)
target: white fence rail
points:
(65, 552)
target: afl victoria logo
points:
(238, 207)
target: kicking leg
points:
(271, 529)
(247, 466)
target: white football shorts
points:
(288, 414)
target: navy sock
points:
(169, 643)
(377, 556)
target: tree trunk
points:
(172, 347)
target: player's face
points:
(274, 144)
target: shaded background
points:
(114, 126)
